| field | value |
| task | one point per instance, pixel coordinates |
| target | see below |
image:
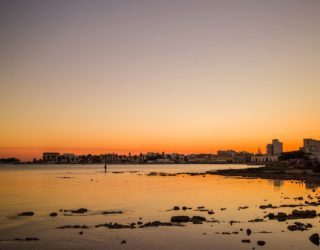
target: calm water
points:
(42, 190)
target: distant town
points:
(309, 152)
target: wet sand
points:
(84, 208)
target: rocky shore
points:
(273, 172)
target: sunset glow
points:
(173, 76)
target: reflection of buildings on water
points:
(311, 184)
(277, 184)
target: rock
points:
(245, 207)
(80, 211)
(115, 226)
(180, 219)
(304, 214)
(73, 227)
(249, 231)
(282, 216)
(31, 239)
(26, 214)
(261, 242)
(256, 220)
(123, 242)
(197, 219)
(112, 212)
(176, 208)
(81, 233)
(314, 238)
(298, 226)
(139, 223)
(267, 206)
(158, 224)
(184, 208)
(77, 211)
(53, 214)
(234, 221)
(210, 212)
(245, 241)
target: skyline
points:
(260, 150)
(173, 76)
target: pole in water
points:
(105, 163)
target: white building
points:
(68, 158)
(276, 148)
(50, 157)
(264, 158)
(312, 147)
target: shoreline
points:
(273, 173)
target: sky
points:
(143, 75)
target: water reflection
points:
(129, 189)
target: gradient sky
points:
(166, 75)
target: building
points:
(264, 158)
(242, 157)
(226, 153)
(312, 147)
(50, 157)
(276, 148)
(67, 158)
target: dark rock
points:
(261, 242)
(256, 220)
(77, 211)
(249, 231)
(267, 206)
(245, 241)
(315, 239)
(184, 208)
(73, 227)
(27, 239)
(112, 212)
(210, 212)
(180, 219)
(234, 221)
(176, 208)
(115, 226)
(53, 214)
(298, 226)
(198, 219)
(123, 242)
(158, 224)
(296, 214)
(26, 214)
(304, 214)
(245, 207)
(31, 239)
(81, 233)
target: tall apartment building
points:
(312, 147)
(275, 148)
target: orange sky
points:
(173, 76)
